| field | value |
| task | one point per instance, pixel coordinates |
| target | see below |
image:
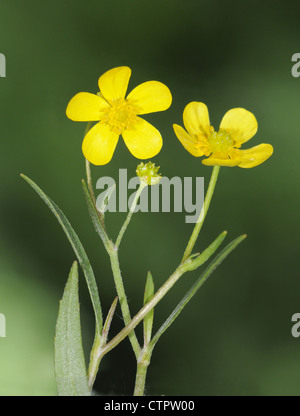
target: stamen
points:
(121, 116)
(221, 142)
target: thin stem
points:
(114, 259)
(143, 360)
(130, 326)
(196, 286)
(95, 358)
(131, 211)
(146, 308)
(100, 341)
(117, 273)
(88, 167)
(140, 380)
(112, 251)
(89, 179)
(202, 215)
(141, 372)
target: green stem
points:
(88, 167)
(114, 259)
(141, 372)
(147, 308)
(112, 251)
(99, 342)
(131, 211)
(99, 350)
(196, 286)
(95, 358)
(143, 359)
(89, 179)
(143, 356)
(202, 215)
(140, 380)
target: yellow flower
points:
(237, 127)
(118, 115)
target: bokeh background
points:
(234, 338)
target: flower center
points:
(220, 142)
(120, 116)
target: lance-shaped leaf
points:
(196, 286)
(196, 261)
(78, 249)
(94, 214)
(70, 367)
(148, 320)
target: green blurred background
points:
(234, 338)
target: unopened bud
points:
(148, 173)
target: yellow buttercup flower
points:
(223, 147)
(117, 115)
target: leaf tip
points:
(75, 265)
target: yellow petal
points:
(143, 140)
(255, 156)
(196, 119)
(99, 144)
(220, 162)
(240, 124)
(150, 97)
(113, 83)
(86, 107)
(187, 141)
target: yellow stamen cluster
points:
(220, 142)
(120, 116)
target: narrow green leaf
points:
(70, 367)
(148, 320)
(196, 286)
(194, 263)
(78, 249)
(108, 320)
(95, 217)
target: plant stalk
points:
(203, 212)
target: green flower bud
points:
(148, 173)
